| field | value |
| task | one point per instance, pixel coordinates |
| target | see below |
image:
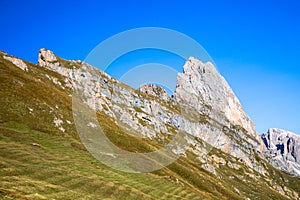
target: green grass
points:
(60, 167)
(57, 169)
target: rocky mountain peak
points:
(193, 64)
(202, 86)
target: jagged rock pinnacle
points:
(202, 86)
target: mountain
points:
(44, 150)
(203, 88)
(283, 150)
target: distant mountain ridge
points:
(283, 150)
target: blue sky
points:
(255, 44)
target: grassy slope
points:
(59, 167)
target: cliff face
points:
(283, 150)
(202, 86)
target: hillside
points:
(43, 157)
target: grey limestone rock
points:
(18, 62)
(204, 88)
(155, 90)
(283, 150)
(46, 57)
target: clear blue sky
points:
(255, 44)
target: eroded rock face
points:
(283, 150)
(155, 90)
(204, 88)
(49, 60)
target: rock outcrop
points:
(155, 90)
(18, 62)
(46, 58)
(283, 150)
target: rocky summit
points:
(221, 157)
(203, 87)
